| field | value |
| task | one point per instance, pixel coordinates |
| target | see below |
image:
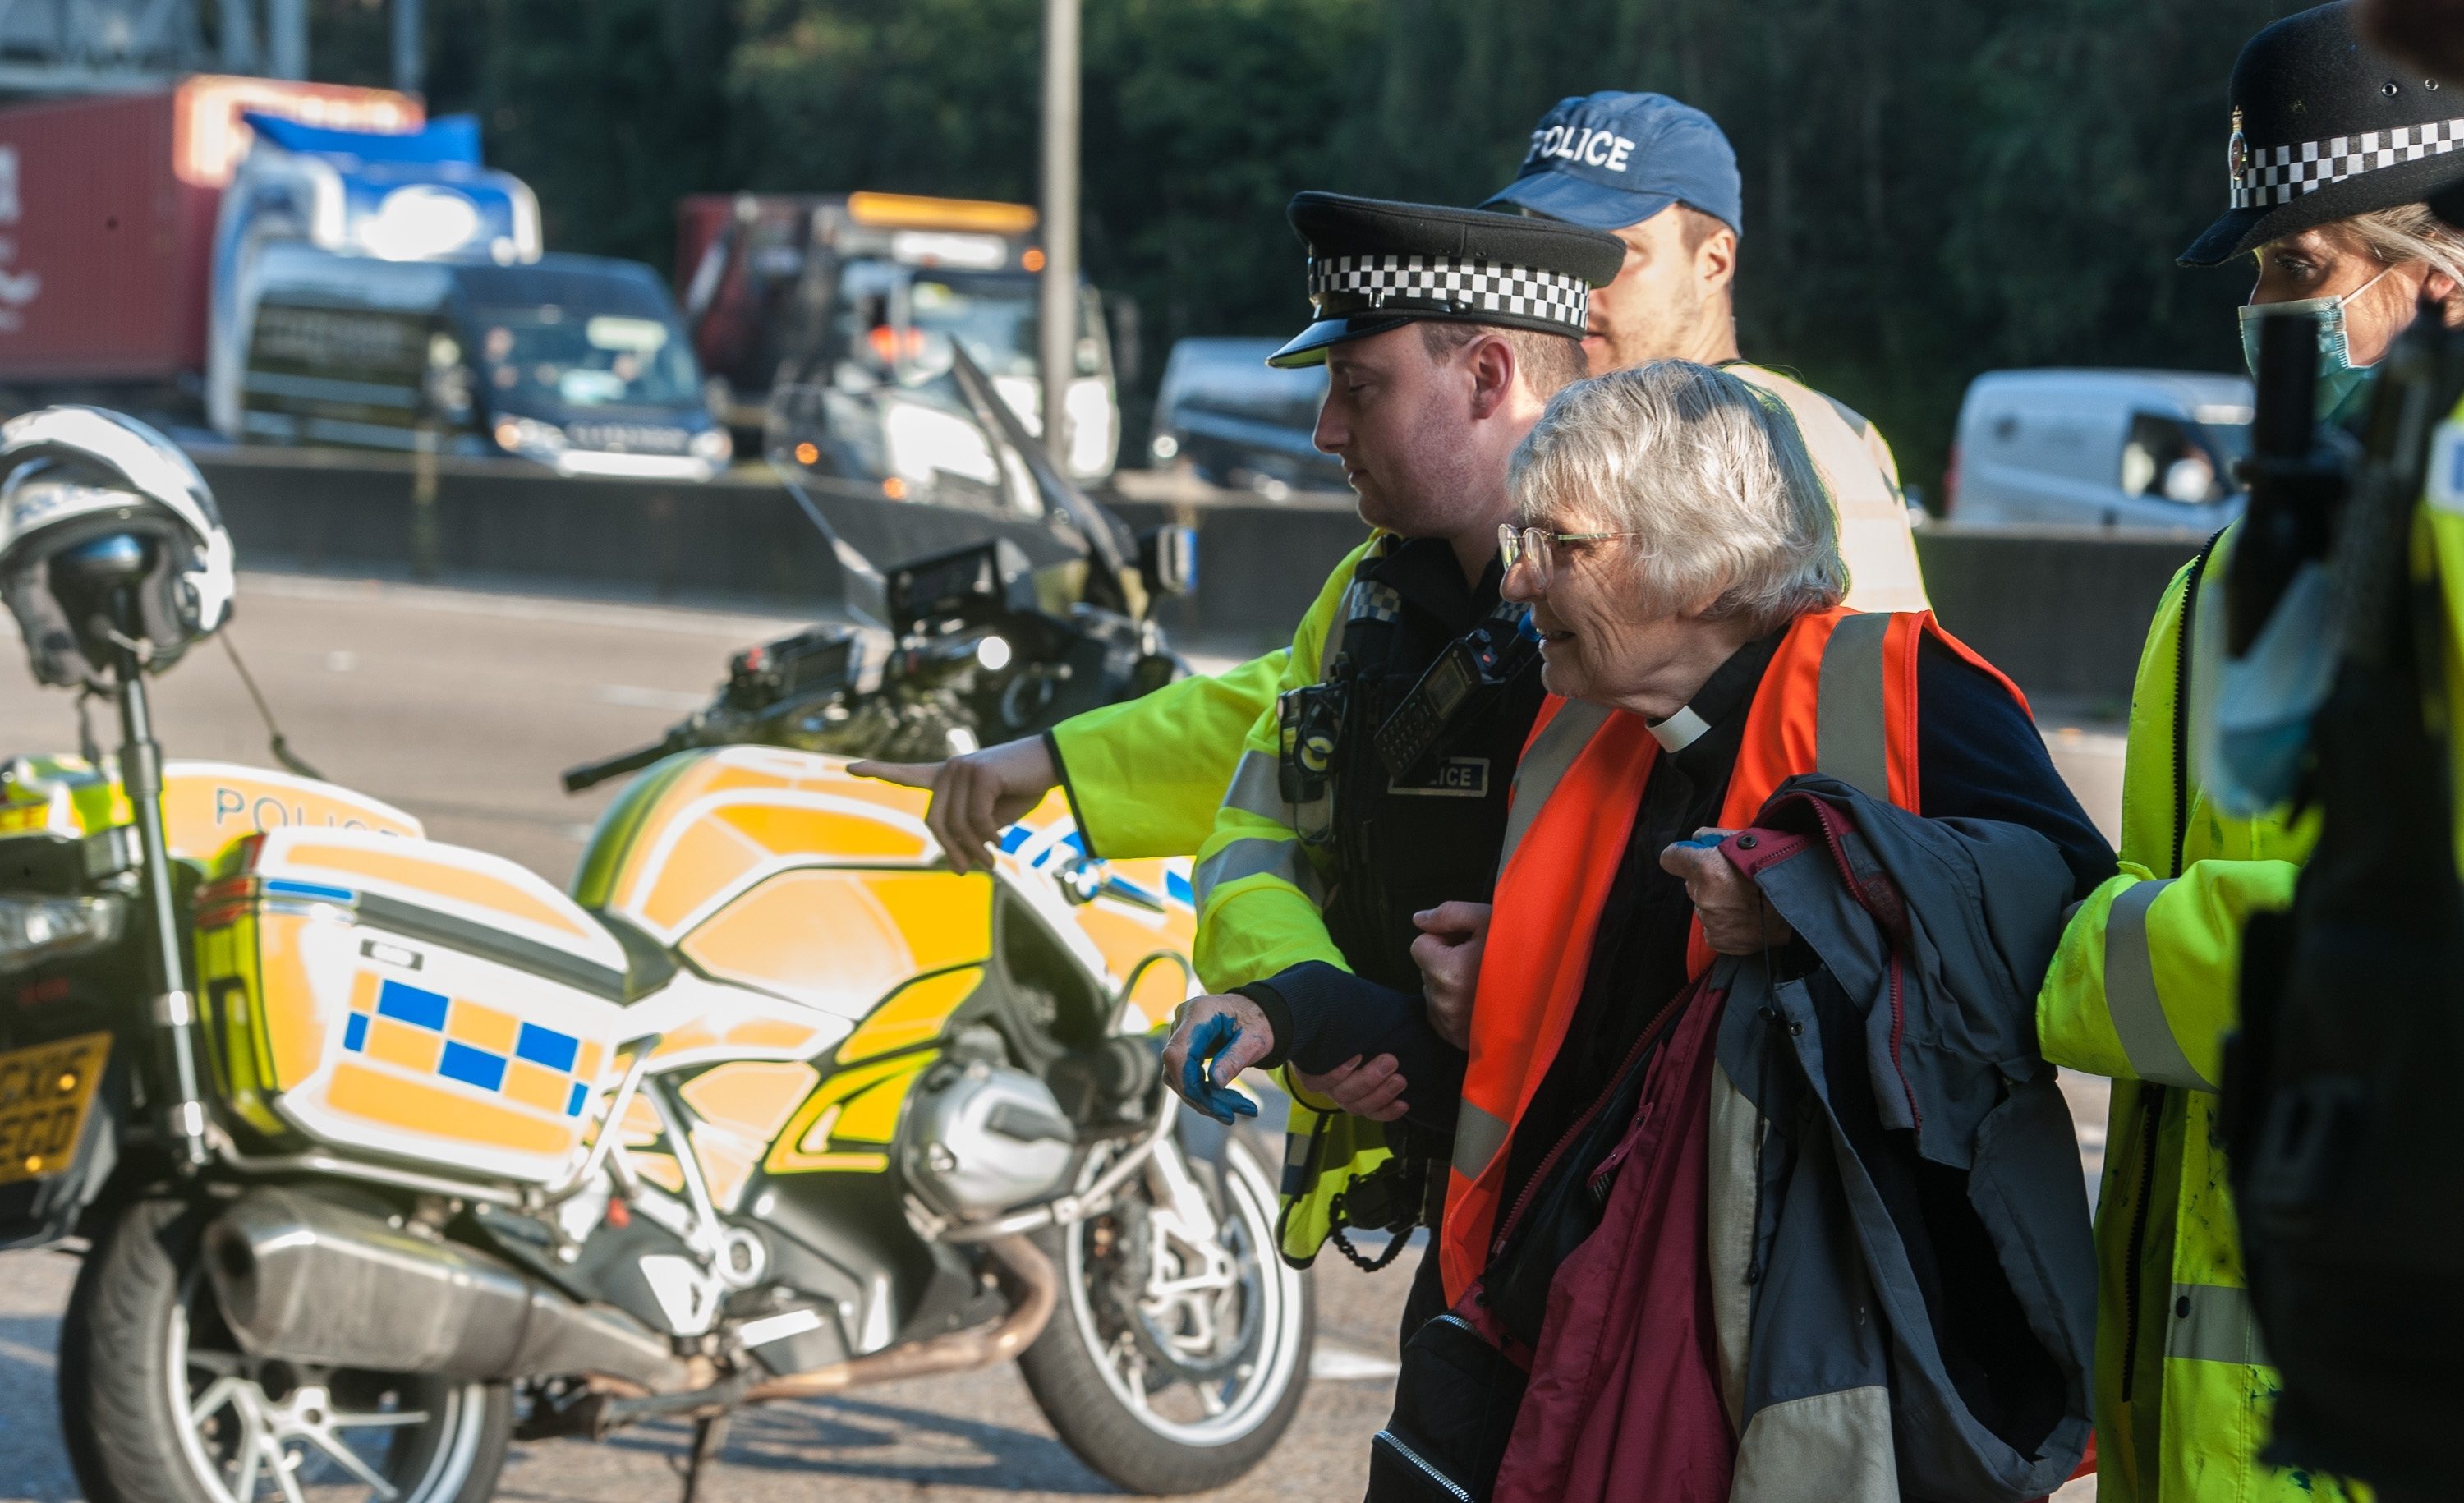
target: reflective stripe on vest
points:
(1258, 856)
(1838, 697)
(1546, 756)
(1258, 788)
(2213, 1323)
(1477, 1136)
(2131, 998)
(1850, 722)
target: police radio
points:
(1455, 690)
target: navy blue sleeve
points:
(1980, 757)
(1324, 1015)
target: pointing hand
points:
(975, 796)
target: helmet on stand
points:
(87, 495)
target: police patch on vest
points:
(1455, 778)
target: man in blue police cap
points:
(1660, 177)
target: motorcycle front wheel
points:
(1178, 1354)
(160, 1404)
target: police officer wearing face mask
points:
(2330, 149)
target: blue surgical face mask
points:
(2341, 382)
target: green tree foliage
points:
(1933, 188)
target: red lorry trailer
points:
(107, 209)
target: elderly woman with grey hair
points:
(1671, 530)
(1680, 560)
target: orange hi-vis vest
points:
(1839, 697)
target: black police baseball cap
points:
(1376, 265)
(2326, 127)
(1609, 160)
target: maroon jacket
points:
(1624, 1397)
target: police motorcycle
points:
(386, 1153)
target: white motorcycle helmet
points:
(71, 476)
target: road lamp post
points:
(1057, 307)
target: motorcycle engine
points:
(978, 1138)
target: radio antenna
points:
(280, 747)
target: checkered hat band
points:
(1372, 281)
(2281, 174)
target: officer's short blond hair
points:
(1547, 362)
(1711, 476)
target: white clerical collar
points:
(1679, 730)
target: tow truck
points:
(849, 305)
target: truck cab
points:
(864, 296)
(419, 195)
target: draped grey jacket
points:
(1902, 1281)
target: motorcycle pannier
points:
(400, 997)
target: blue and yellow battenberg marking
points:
(480, 1046)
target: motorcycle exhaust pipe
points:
(959, 1350)
(307, 1281)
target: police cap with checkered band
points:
(1376, 265)
(2326, 127)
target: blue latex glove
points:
(1213, 1037)
(1702, 842)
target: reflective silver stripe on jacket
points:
(1257, 857)
(1544, 761)
(1258, 787)
(2213, 1323)
(2130, 993)
(1851, 736)
(1477, 1136)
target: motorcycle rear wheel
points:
(161, 1406)
(1157, 1381)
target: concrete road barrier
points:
(735, 539)
(2062, 611)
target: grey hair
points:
(1710, 474)
(2411, 233)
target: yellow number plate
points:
(45, 1091)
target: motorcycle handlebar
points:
(591, 773)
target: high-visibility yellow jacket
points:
(1260, 891)
(1146, 776)
(2143, 989)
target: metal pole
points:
(408, 64)
(175, 1011)
(286, 38)
(1057, 308)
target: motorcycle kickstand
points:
(710, 1435)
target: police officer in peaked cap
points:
(2332, 152)
(1368, 809)
(1335, 790)
(2328, 151)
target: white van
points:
(2100, 449)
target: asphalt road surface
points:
(461, 707)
